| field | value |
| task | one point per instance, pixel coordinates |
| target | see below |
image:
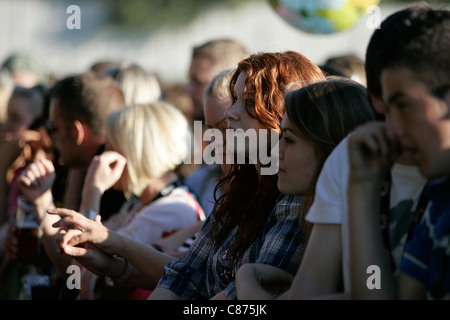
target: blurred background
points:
(160, 34)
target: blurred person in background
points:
(138, 85)
(208, 59)
(26, 70)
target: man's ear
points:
(377, 103)
(79, 132)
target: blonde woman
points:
(149, 141)
(144, 143)
(137, 84)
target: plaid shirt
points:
(205, 271)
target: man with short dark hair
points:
(208, 59)
(79, 105)
(412, 70)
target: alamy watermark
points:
(373, 21)
(74, 20)
(373, 17)
(236, 146)
(74, 279)
(374, 280)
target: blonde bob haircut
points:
(154, 138)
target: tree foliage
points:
(154, 14)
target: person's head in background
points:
(208, 59)
(100, 66)
(6, 89)
(347, 65)
(408, 78)
(154, 138)
(216, 101)
(78, 107)
(137, 84)
(26, 70)
(257, 88)
(175, 93)
(317, 118)
(24, 107)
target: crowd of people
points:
(97, 173)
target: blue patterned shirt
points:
(204, 271)
(427, 255)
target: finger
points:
(70, 238)
(113, 159)
(75, 251)
(29, 173)
(112, 156)
(47, 164)
(68, 222)
(368, 144)
(68, 217)
(59, 240)
(29, 136)
(25, 181)
(37, 169)
(36, 173)
(78, 239)
(63, 212)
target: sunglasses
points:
(52, 128)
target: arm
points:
(369, 155)
(320, 272)
(186, 277)
(103, 172)
(164, 294)
(281, 242)
(146, 261)
(257, 281)
(10, 149)
(174, 241)
(74, 185)
(36, 184)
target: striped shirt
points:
(204, 271)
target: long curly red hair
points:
(248, 197)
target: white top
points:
(158, 219)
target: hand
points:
(261, 281)
(36, 184)
(83, 231)
(37, 178)
(105, 170)
(92, 259)
(371, 153)
(11, 145)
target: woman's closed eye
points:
(287, 140)
(286, 136)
